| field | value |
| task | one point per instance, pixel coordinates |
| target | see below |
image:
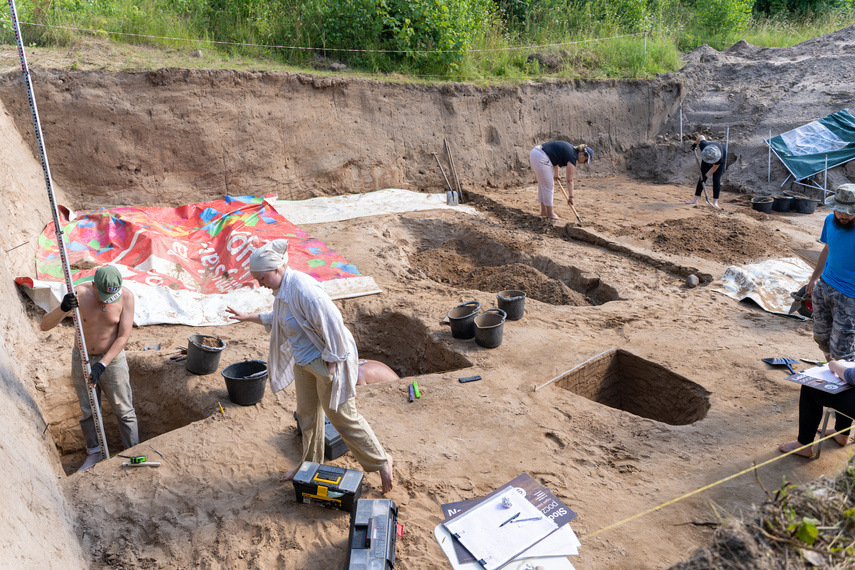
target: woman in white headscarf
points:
(310, 346)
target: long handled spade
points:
(568, 201)
(704, 186)
(452, 195)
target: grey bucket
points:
(488, 328)
(245, 381)
(513, 303)
(462, 319)
(203, 359)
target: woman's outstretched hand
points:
(237, 315)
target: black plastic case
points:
(334, 446)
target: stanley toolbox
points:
(328, 486)
(334, 446)
(374, 530)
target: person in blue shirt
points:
(545, 160)
(832, 284)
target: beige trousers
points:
(313, 384)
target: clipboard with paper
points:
(496, 533)
(821, 378)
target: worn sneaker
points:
(91, 460)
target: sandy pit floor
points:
(699, 404)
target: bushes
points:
(723, 18)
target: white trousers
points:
(544, 172)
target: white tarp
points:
(768, 283)
(350, 206)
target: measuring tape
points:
(81, 343)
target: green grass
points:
(497, 54)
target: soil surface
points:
(617, 280)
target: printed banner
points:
(189, 252)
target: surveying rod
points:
(57, 226)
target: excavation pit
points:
(466, 258)
(404, 344)
(166, 397)
(626, 382)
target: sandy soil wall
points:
(36, 530)
(175, 136)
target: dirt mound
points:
(724, 240)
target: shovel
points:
(782, 362)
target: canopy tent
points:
(816, 146)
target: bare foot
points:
(692, 201)
(288, 476)
(788, 447)
(715, 204)
(553, 217)
(386, 477)
(841, 438)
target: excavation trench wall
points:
(173, 136)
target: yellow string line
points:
(274, 46)
(696, 491)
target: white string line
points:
(325, 48)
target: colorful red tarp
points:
(201, 249)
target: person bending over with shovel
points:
(311, 347)
(545, 160)
(712, 157)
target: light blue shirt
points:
(302, 348)
(839, 271)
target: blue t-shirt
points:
(301, 346)
(839, 270)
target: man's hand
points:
(68, 302)
(694, 146)
(97, 370)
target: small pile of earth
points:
(724, 240)
(446, 264)
(521, 277)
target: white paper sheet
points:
(492, 534)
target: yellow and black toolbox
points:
(328, 486)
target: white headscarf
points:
(269, 257)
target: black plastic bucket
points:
(762, 204)
(804, 205)
(462, 319)
(245, 381)
(513, 303)
(781, 203)
(203, 359)
(488, 328)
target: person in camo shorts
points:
(832, 284)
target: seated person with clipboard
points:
(811, 403)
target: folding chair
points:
(825, 418)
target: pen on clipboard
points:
(527, 520)
(510, 519)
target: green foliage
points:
(723, 18)
(806, 530)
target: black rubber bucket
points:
(245, 381)
(513, 303)
(462, 319)
(781, 203)
(762, 204)
(202, 358)
(488, 328)
(804, 205)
